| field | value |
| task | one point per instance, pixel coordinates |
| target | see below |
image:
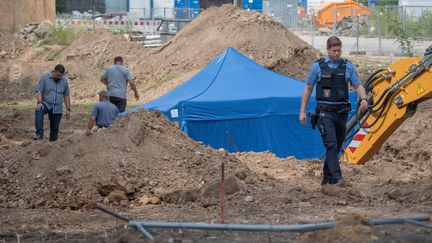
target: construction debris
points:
(32, 30)
(349, 26)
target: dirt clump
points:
(141, 155)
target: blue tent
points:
(236, 104)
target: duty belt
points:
(339, 109)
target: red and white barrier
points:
(145, 26)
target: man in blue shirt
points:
(331, 76)
(104, 113)
(116, 78)
(52, 90)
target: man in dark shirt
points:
(104, 113)
(52, 90)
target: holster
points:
(314, 119)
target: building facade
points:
(16, 13)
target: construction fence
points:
(384, 30)
(124, 26)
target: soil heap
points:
(142, 155)
(255, 35)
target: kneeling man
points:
(104, 113)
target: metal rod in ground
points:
(222, 194)
(232, 141)
(109, 211)
(268, 227)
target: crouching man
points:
(104, 113)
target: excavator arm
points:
(393, 95)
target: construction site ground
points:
(145, 168)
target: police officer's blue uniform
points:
(331, 79)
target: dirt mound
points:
(142, 155)
(412, 141)
(256, 35)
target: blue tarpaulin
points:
(236, 104)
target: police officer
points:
(331, 75)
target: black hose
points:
(375, 73)
(373, 76)
(383, 104)
(379, 114)
(368, 84)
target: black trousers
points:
(119, 102)
(54, 123)
(332, 127)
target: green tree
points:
(381, 2)
(425, 25)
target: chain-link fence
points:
(383, 30)
(283, 11)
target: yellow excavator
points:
(393, 95)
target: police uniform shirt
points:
(350, 73)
